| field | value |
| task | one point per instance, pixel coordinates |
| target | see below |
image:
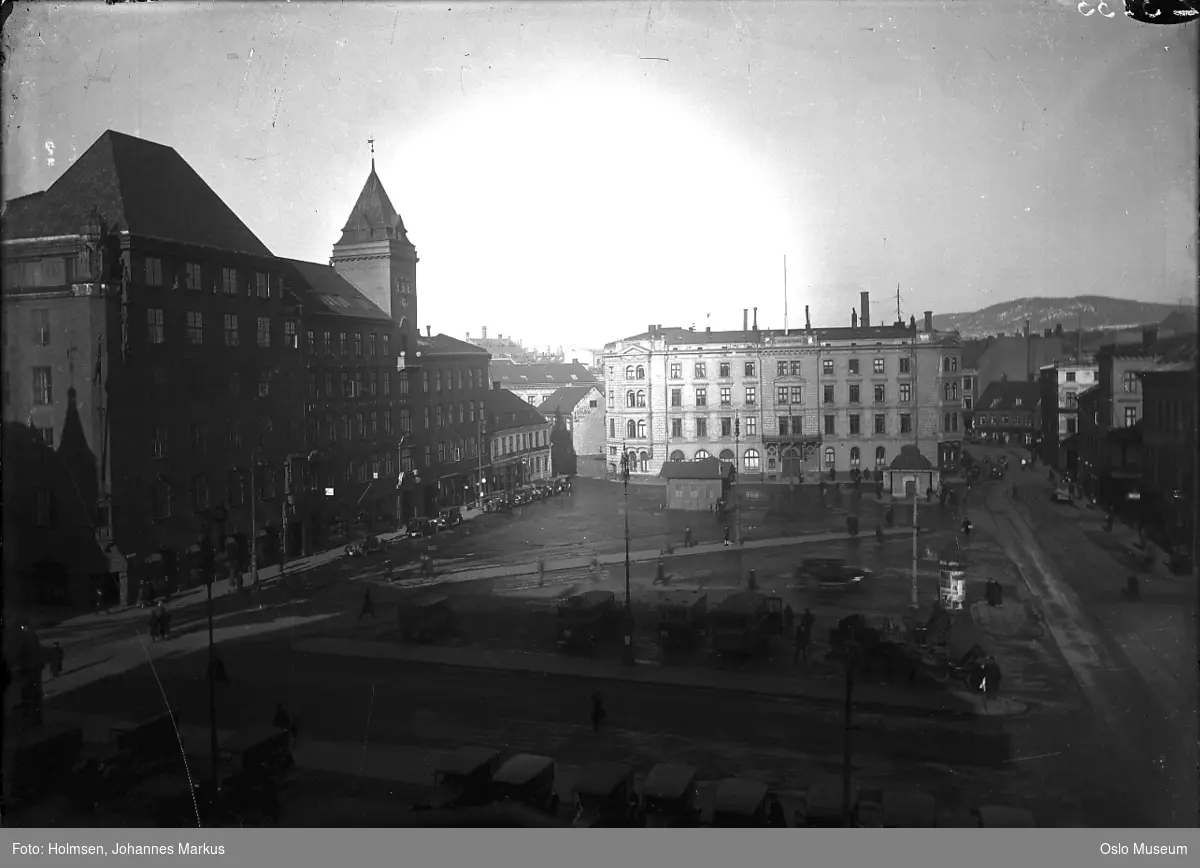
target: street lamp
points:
(737, 499)
(628, 637)
(257, 450)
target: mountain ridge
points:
(1091, 311)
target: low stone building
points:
(696, 486)
(911, 473)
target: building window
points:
(968, 383)
(387, 346)
(405, 420)
(630, 430)
(676, 428)
(641, 372)
(830, 457)
(235, 435)
(1130, 382)
(153, 271)
(751, 426)
(880, 456)
(629, 372)
(946, 422)
(855, 423)
(191, 277)
(854, 393)
(1072, 426)
(264, 332)
(830, 427)
(677, 397)
(358, 344)
(199, 492)
(945, 391)
(702, 397)
(374, 424)
(387, 383)
(783, 425)
(612, 425)
(827, 366)
(853, 367)
(725, 370)
(264, 384)
(726, 426)
(43, 386)
(195, 327)
(751, 460)
(262, 287)
(1131, 416)
(880, 423)
(905, 365)
(967, 403)
(326, 343)
(751, 395)
(371, 345)
(290, 338)
(310, 341)
(641, 399)
(781, 369)
(878, 366)
(440, 421)
(676, 371)
(905, 393)
(905, 423)
(342, 344)
(155, 332)
(427, 418)
(880, 393)
(701, 371)
(855, 456)
(641, 429)
(726, 396)
(41, 328)
(1070, 376)
(797, 394)
(229, 281)
(749, 369)
(827, 394)
(345, 426)
(402, 381)
(231, 330)
(954, 421)
(781, 395)
(702, 428)
(158, 441)
(358, 386)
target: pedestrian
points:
(154, 628)
(802, 637)
(165, 622)
(789, 618)
(775, 815)
(660, 573)
(56, 660)
(541, 568)
(726, 534)
(216, 671)
(807, 620)
(966, 527)
(368, 605)
(598, 712)
(879, 534)
(991, 679)
(688, 542)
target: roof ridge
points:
(119, 194)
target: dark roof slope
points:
(972, 352)
(515, 374)
(444, 345)
(139, 186)
(505, 411)
(1180, 322)
(1010, 395)
(564, 400)
(373, 215)
(322, 290)
(910, 458)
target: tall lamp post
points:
(913, 602)
(737, 498)
(254, 462)
(628, 633)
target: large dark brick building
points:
(144, 317)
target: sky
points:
(572, 172)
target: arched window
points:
(633, 462)
(945, 391)
(629, 373)
(750, 459)
(855, 456)
(641, 399)
(644, 461)
(946, 364)
(641, 429)
(954, 363)
(946, 422)
(641, 372)
(677, 455)
(630, 399)
(726, 455)
(880, 456)
(631, 429)
(701, 454)
(829, 456)
(954, 391)
(953, 421)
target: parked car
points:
(449, 517)
(1061, 495)
(422, 527)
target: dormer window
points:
(1017, 403)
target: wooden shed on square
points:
(696, 485)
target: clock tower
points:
(375, 255)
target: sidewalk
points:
(883, 698)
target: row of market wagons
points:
(475, 787)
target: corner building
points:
(785, 405)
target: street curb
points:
(320, 646)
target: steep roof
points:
(972, 352)
(1180, 322)
(1009, 395)
(506, 411)
(373, 217)
(322, 290)
(564, 400)
(910, 458)
(517, 375)
(705, 468)
(135, 185)
(444, 345)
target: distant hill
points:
(1096, 312)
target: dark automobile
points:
(420, 528)
(449, 517)
(832, 573)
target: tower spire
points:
(371, 143)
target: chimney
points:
(574, 361)
(745, 319)
(807, 321)
(912, 322)
(1058, 330)
(853, 318)
(864, 306)
(468, 335)
(485, 333)
(428, 331)
(495, 385)
(929, 322)
(1026, 329)
(1149, 336)
(1049, 332)
(756, 319)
